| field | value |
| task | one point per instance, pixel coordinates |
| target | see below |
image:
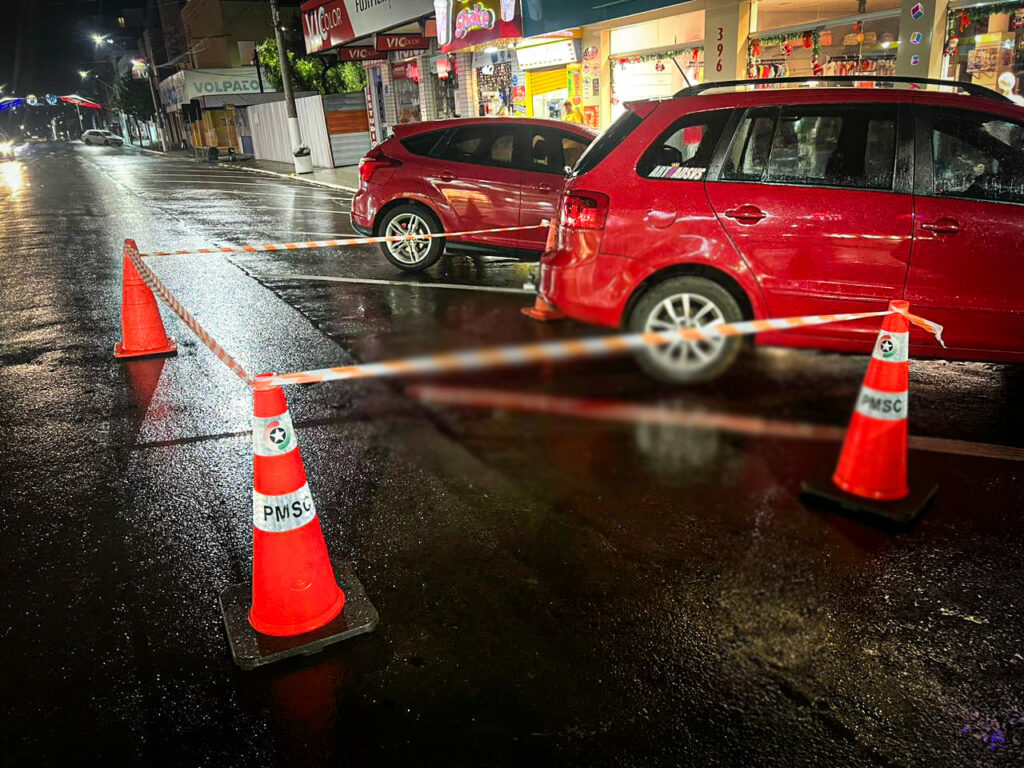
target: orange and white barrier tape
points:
(555, 351)
(183, 314)
(339, 243)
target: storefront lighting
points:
(490, 49)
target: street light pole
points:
(286, 81)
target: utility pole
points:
(289, 98)
(151, 73)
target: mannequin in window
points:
(1007, 82)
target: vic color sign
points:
(360, 53)
(327, 24)
(402, 43)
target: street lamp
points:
(83, 74)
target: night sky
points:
(52, 41)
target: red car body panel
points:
(465, 196)
(816, 250)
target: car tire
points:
(686, 302)
(412, 256)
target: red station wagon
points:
(728, 203)
(463, 175)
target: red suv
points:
(462, 175)
(728, 203)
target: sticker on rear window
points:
(675, 172)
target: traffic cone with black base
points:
(871, 477)
(295, 606)
(142, 330)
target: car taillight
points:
(374, 160)
(584, 210)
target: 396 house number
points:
(719, 49)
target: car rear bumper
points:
(363, 211)
(594, 290)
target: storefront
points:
(807, 43)
(405, 78)
(655, 59)
(500, 83)
(200, 103)
(985, 45)
(552, 75)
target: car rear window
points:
(683, 152)
(423, 143)
(603, 145)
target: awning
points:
(214, 87)
(541, 16)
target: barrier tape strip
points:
(161, 290)
(552, 351)
(338, 243)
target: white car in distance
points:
(104, 138)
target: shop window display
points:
(654, 76)
(406, 85)
(985, 46)
(860, 48)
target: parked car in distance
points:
(730, 203)
(102, 137)
(462, 175)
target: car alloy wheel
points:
(686, 310)
(679, 303)
(408, 252)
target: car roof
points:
(809, 91)
(409, 129)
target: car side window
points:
(481, 145)
(684, 151)
(423, 144)
(550, 151)
(977, 156)
(751, 145)
(817, 145)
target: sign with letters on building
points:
(386, 42)
(327, 24)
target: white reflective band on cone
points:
(277, 514)
(892, 347)
(274, 436)
(875, 404)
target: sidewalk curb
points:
(264, 171)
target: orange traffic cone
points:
(872, 472)
(542, 311)
(142, 330)
(293, 586)
(294, 592)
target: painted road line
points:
(637, 413)
(296, 177)
(406, 284)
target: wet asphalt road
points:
(552, 590)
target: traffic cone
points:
(871, 475)
(296, 605)
(142, 330)
(542, 311)
(293, 585)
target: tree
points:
(310, 73)
(133, 98)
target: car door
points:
(816, 198)
(480, 181)
(968, 260)
(545, 152)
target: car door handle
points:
(446, 177)
(942, 226)
(544, 187)
(746, 214)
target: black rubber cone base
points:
(251, 649)
(821, 491)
